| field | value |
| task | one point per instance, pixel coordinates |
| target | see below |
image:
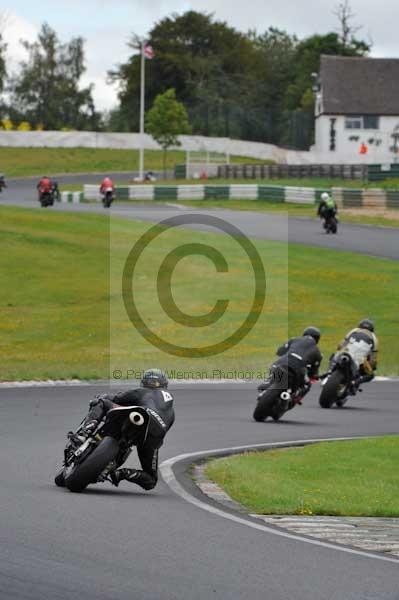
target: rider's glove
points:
(102, 397)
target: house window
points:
(371, 122)
(362, 122)
(354, 122)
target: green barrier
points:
(377, 173)
(352, 198)
(180, 172)
(392, 199)
(166, 192)
(217, 192)
(122, 193)
(271, 193)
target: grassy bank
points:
(22, 162)
(61, 297)
(354, 478)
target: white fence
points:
(197, 143)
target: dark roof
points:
(363, 86)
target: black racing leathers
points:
(160, 404)
(325, 211)
(300, 357)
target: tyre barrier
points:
(71, 197)
(344, 197)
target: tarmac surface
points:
(124, 543)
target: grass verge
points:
(61, 296)
(354, 478)
(22, 162)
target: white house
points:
(357, 110)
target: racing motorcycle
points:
(46, 198)
(108, 197)
(2, 182)
(280, 393)
(331, 224)
(338, 382)
(91, 459)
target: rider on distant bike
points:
(327, 208)
(299, 356)
(107, 184)
(45, 186)
(361, 344)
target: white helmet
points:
(325, 196)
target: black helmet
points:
(366, 324)
(154, 378)
(313, 332)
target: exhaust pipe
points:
(285, 396)
(136, 418)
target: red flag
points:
(148, 51)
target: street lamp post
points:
(142, 99)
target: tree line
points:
(253, 86)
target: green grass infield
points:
(62, 313)
(349, 478)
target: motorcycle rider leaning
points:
(361, 344)
(152, 395)
(300, 356)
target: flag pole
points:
(142, 96)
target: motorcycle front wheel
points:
(59, 479)
(267, 405)
(89, 470)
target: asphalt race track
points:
(127, 544)
(124, 543)
(373, 241)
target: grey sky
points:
(107, 25)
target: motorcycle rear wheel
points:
(330, 392)
(89, 470)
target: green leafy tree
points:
(3, 70)
(249, 86)
(3, 73)
(166, 120)
(307, 61)
(46, 90)
(207, 63)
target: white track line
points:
(166, 469)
